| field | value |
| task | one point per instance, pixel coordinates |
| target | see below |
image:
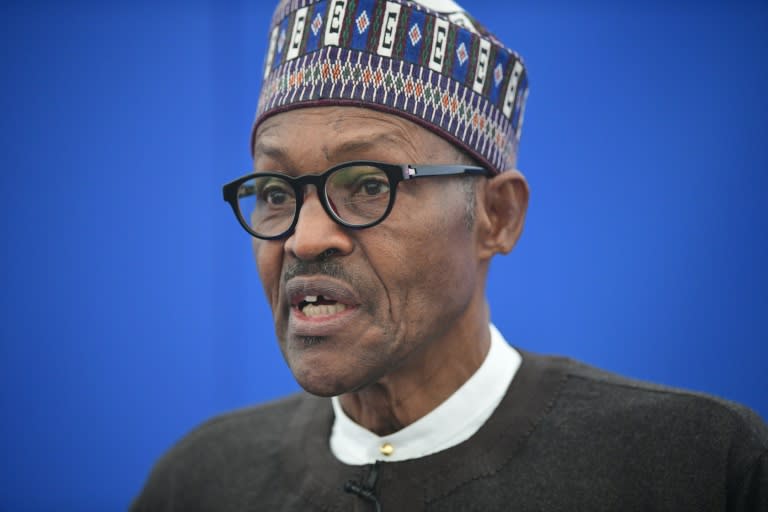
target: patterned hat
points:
(427, 61)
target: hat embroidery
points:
(398, 56)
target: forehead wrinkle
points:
(375, 143)
(388, 131)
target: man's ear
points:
(504, 204)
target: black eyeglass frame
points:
(395, 174)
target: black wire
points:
(367, 491)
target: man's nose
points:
(316, 233)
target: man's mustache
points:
(328, 268)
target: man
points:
(384, 183)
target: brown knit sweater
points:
(565, 437)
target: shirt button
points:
(386, 449)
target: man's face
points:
(353, 307)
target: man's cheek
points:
(268, 263)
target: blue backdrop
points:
(131, 307)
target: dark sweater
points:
(565, 437)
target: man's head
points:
(353, 307)
(388, 292)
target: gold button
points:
(387, 449)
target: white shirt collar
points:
(450, 423)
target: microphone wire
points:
(367, 490)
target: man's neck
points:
(412, 391)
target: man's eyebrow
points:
(275, 152)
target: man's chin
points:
(322, 385)
(328, 366)
(317, 373)
(324, 380)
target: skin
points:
(421, 328)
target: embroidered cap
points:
(428, 61)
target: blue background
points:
(131, 307)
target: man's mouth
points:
(320, 308)
(313, 306)
(319, 300)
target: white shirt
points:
(450, 423)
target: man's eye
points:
(373, 187)
(275, 195)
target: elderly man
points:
(384, 183)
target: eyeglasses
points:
(356, 194)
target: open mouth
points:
(319, 304)
(314, 306)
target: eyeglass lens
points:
(357, 195)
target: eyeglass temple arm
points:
(411, 171)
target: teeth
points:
(312, 310)
(310, 298)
